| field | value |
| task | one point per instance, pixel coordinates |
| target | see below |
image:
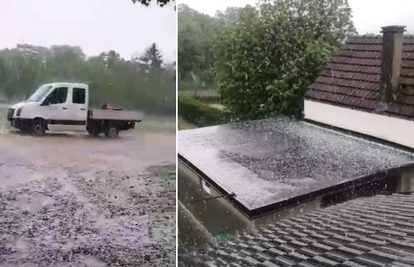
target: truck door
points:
(55, 109)
(78, 110)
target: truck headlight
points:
(19, 111)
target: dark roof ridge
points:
(368, 35)
(373, 35)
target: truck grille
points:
(10, 114)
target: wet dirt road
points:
(79, 201)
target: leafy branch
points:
(147, 2)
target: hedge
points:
(205, 96)
(208, 99)
(195, 112)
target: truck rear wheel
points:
(112, 132)
(38, 127)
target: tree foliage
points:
(267, 56)
(230, 15)
(196, 33)
(147, 2)
(126, 83)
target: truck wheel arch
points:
(39, 119)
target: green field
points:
(157, 124)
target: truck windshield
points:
(40, 93)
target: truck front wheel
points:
(38, 127)
(112, 132)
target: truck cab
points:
(54, 107)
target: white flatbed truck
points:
(65, 107)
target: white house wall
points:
(395, 130)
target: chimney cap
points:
(393, 29)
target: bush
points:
(195, 112)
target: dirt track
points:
(77, 201)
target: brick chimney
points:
(392, 46)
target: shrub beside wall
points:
(195, 112)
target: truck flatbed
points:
(122, 115)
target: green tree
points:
(230, 15)
(152, 56)
(111, 78)
(196, 35)
(266, 61)
(190, 54)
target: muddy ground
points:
(78, 201)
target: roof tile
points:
(350, 247)
(352, 78)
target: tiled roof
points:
(352, 77)
(372, 231)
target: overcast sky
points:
(369, 15)
(95, 25)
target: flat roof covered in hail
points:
(269, 161)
